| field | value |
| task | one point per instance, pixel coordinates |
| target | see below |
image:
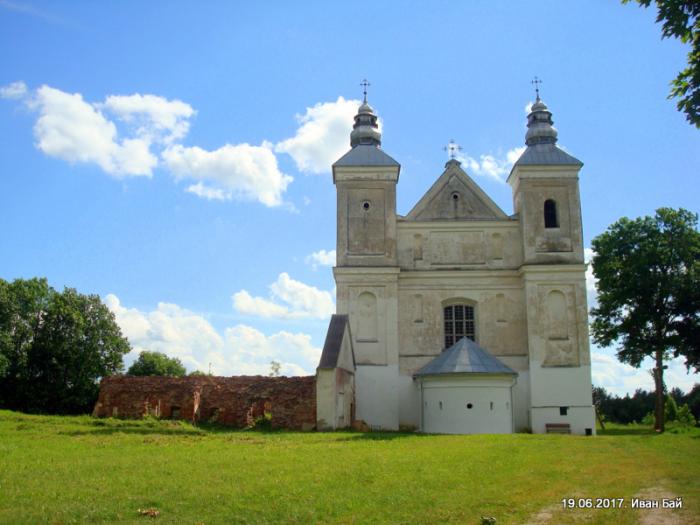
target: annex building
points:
(458, 317)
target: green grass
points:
(65, 470)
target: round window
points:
(469, 406)
(365, 205)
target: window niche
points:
(551, 217)
(367, 317)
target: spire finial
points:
(365, 85)
(536, 82)
(452, 148)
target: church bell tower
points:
(366, 271)
(545, 183)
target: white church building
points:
(458, 317)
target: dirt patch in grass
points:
(659, 516)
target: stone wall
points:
(231, 401)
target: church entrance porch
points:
(466, 390)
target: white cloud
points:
(321, 258)
(528, 107)
(70, 129)
(156, 118)
(621, 378)
(238, 171)
(188, 336)
(591, 281)
(298, 300)
(16, 90)
(208, 193)
(496, 168)
(323, 135)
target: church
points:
(458, 317)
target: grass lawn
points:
(65, 470)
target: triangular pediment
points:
(455, 196)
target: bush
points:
(670, 408)
(685, 416)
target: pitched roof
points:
(437, 204)
(546, 154)
(365, 155)
(334, 341)
(465, 357)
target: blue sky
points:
(174, 157)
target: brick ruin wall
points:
(232, 401)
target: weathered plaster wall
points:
(231, 401)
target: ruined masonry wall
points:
(230, 401)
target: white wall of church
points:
(377, 396)
(467, 405)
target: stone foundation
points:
(231, 401)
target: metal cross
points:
(364, 85)
(452, 148)
(536, 82)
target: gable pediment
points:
(455, 196)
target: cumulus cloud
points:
(188, 336)
(156, 118)
(321, 258)
(238, 171)
(70, 129)
(289, 299)
(621, 378)
(591, 281)
(495, 168)
(16, 90)
(323, 135)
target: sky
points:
(174, 158)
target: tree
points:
(275, 368)
(648, 272)
(681, 19)
(56, 347)
(156, 364)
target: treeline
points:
(634, 409)
(54, 347)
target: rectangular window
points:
(459, 323)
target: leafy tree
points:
(670, 409)
(197, 373)
(156, 364)
(56, 347)
(275, 367)
(681, 19)
(648, 272)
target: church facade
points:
(458, 317)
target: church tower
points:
(366, 271)
(546, 200)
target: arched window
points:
(459, 323)
(550, 214)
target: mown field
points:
(66, 470)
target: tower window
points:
(459, 323)
(551, 220)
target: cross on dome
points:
(365, 85)
(536, 82)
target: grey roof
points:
(540, 154)
(465, 357)
(334, 340)
(365, 155)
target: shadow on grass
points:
(627, 431)
(133, 429)
(378, 436)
